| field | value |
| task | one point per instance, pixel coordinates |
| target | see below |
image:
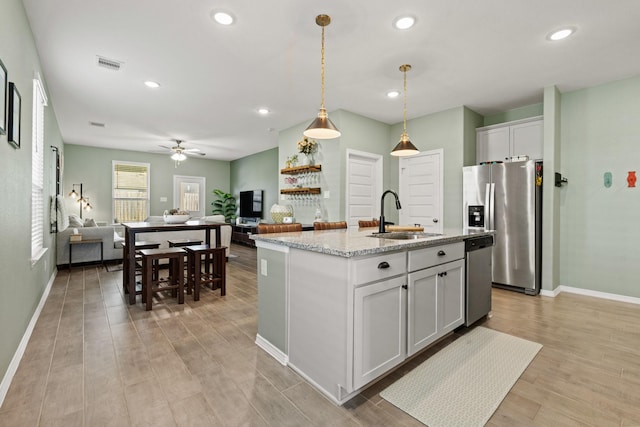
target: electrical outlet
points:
(263, 267)
(327, 194)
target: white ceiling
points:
(490, 55)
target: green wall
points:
(599, 231)
(91, 166)
(257, 172)
(514, 114)
(23, 283)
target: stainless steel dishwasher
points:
(478, 278)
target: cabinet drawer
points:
(378, 267)
(428, 257)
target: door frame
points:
(378, 161)
(200, 180)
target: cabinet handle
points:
(405, 287)
(441, 253)
(383, 264)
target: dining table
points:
(133, 228)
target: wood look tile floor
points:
(95, 361)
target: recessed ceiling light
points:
(152, 84)
(393, 94)
(222, 18)
(404, 22)
(263, 111)
(561, 34)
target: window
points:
(130, 191)
(37, 171)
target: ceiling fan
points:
(179, 153)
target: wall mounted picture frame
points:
(4, 87)
(14, 109)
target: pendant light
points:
(404, 147)
(321, 127)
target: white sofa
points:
(162, 237)
(86, 253)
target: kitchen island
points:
(343, 308)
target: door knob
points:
(435, 219)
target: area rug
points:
(464, 383)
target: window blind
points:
(37, 171)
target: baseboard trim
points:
(596, 294)
(273, 351)
(17, 356)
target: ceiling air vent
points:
(110, 64)
(97, 124)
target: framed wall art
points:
(4, 86)
(15, 107)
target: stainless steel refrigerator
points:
(507, 198)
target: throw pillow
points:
(75, 221)
(90, 222)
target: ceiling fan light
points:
(322, 127)
(178, 157)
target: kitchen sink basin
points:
(404, 235)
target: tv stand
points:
(241, 232)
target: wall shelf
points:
(295, 170)
(300, 190)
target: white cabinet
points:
(435, 303)
(506, 140)
(349, 319)
(379, 331)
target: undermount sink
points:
(404, 235)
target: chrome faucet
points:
(398, 206)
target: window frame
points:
(114, 163)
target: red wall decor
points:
(631, 179)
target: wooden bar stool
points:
(125, 259)
(151, 281)
(336, 225)
(214, 269)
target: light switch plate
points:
(163, 199)
(327, 194)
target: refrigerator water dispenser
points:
(476, 216)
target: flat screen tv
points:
(251, 204)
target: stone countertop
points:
(348, 243)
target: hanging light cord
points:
(405, 102)
(322, 67)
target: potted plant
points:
(225, 204)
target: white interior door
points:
(421, 190)
(364, 186)
(188, 194)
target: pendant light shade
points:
(405, 147)
(322, 127)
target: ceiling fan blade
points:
(190, 150)
(164, 146)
